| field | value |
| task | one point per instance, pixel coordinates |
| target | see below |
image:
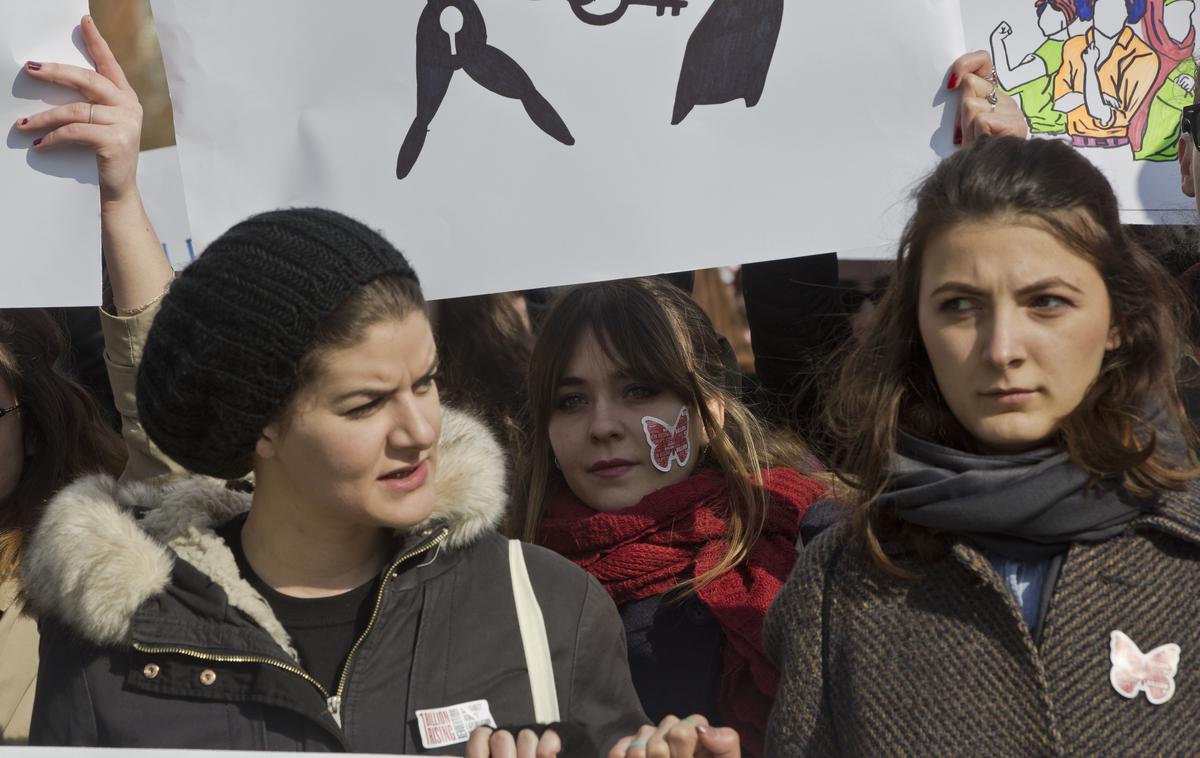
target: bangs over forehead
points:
(642, 338)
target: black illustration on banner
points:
(728, 55)
(579, 8)
(451, 35)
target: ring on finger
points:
(992, 98)
(636, 744)
(91, 108)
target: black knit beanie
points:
(222, 356)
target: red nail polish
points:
(34, 66)
(37, 142)
(24, 121)
(957, 135)
(953, 81)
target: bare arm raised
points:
(108, 119)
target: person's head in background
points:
(861, 297)
(1020, 316)
(52, 430)
(484, 343)
(1189, 150)
(613, 363)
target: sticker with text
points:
(453, 724)
(668, 442)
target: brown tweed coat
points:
(945, 665)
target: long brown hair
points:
(887, 383)
(62, 427)
(655, 332)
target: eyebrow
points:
(1039, 285)
(1047, 283)
(373, 393)
(364, 392)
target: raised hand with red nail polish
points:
(972, 77)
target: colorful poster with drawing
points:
(1110, 77)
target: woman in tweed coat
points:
(1019, 575)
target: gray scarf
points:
(1027, 506)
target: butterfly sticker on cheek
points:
(668, 442)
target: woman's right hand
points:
(108, 119)
(675, 738)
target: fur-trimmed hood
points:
(92, 563)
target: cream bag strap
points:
(533, 637)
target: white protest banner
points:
(1139, 55)
(539, 148)
(49, 202)
(161, 186)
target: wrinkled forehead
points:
(388, 350)
(1004, 254)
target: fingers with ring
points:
(73, 113)
(637, 745)
(992, 98)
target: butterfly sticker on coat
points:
(668, 442)
(1134, 671)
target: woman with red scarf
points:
(647, 471)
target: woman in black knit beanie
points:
(339, 601)
(353, 594)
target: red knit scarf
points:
(679, 532)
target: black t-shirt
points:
(322, 629)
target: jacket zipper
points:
(219, 658)
(334, 701)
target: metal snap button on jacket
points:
(207, 677)
(150, 671)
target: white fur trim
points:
(184, 519)
(470, 479)
(92, 565)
